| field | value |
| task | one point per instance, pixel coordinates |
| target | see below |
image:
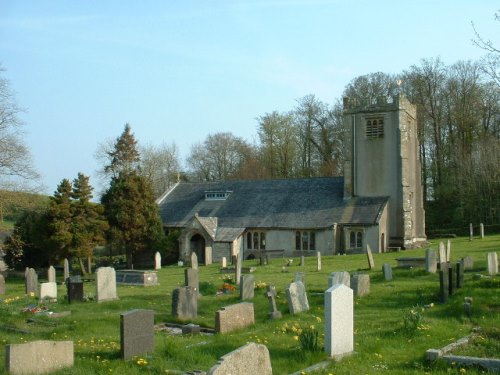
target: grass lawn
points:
(382, 344)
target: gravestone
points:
(448, 251)
(460, 274)
(471, 232)
(185, 303)
(105, 280)
(263, 260)
(247, 286)
(443, 283)
(39, 357)
(452, 279)
(442, 253)
(297, 298)
(234, 317)
(271, 294)
(31, 282)
(341, 277)
(191, 329)
(339, 320)
(48, 291)
(387, 270)
(223, 262)
(137, 334)
(318, 256)
(237, 270)
(194, 260)
(302, 261)
(468, 263)
(191, 278)
(137, 277)
(2, 284)
(300, 276)
(369, 256)
(492, 263)
(51, 274)
(430, 261)
(66, 269)
(74, 286)
(481, 230)
(360, 284)
(249, 359)
(157, 261)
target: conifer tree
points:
(59, 216)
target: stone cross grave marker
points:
(492, 263)
(247, 286)
(442, 253)
(48, 291)
(237, 269)
(318, 257)
(234, 317)
(360, 284)
(31, 282)
(74, 286)
(369, 256)
(2, 284)
(105, 280)
(66, 269)
(157, 261)
(51, 274)
(340, 277)
(339, 320)
(249, 359)
(137, 334)
(430, 261)
(297, 298)
(192, 279)
(185, 303)
(271, 294)
(194, 260)
(387, 271)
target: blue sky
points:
(180, 70)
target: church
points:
(378, 203)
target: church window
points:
(355, 239)
(375, 128)
(305, 240)
(256, 240)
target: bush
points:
(308, 339)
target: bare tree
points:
(491, 62)
(160, 165)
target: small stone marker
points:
(443, 283)
(271, 294)
(157, 261)
(2, 284)
(442, 253)
(492, 263)
(318, 256)
(185, 303)
(223, 262)
(234, 317)
(105, 279)
(38, 357)
(48, 291)
(66, 269)
(136, 333)
(247, 287)
(237, 269)
(460, 273)
(249, 359)
(387, 270)
(448, 251)
(191, 329)
(297, 298)
(51, 274)
(360, 284)
(471, 232)
(194, 260)
(31, 282)
(74, 287)
(369, 256)
(192, 279)
(341, 277)
(481, 230)
(339, 320)
(430, 261)
(468, 263)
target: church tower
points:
(382, 160)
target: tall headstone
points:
(249, 359)
(452, 279)
(339, 320)
(481, 230)
(430, 261)
(369, 256)
(2, 284)
(468, 263)
(492, 263)
(31, 282)
(223, 263)
(341, 277)
(360, 284)
(74, 286)
(194, 260)
(66, 269)
(318, 257)
(51, 274)
(297, 298)
(185, 303)
(234, 317)
(48, 291)
(448, 251)
(137, 334)
(387, 271)
(442, 253)
(247, 287)
(271, 294)
(471, 232)
(191, 278)
(105, 280)
(302, 261)
(237, 269)
(443, 283)
(157, 261)
(460, 273)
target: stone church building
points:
(378, 202)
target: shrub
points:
(413, 320)
(308, 339)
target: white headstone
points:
(339, 321)
(223, 262)
(157, 261)
(471, 232)
(48, 291)
(51, 274)
(442, 253)
(318, 255)
(194, 260)
(369, 257)
(481, 230)
(430, 261)
(105, 280)
(448, 251)
(237, 269)
(492, 263)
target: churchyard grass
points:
(382, 344)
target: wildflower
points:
(296, 338)
(318, 319)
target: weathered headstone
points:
(185, 303)
(318, 256)
(237, 270)
(194, 260)
(234, 317)
(157, 261)
(223, 262)
(339, 320)
(302, 261)
(31, 282)
(297, 298)
(360, 284)
(481, 230)
(48, 291)
(460, 273)
(452, 279)
(105, 280)
(442, 253)
(271, 294)
(369, 256)
(38, 357)
(51, 274)
(468, 263)
(192, 279)
(66, 269)
(430, 261)
(247, 287)
(341, 277)
(249, 359)
(300, 276)
(136, 333)
(191, 329)
(387, 271)
(74, 285)
(2, 284)
(443, 283)
(448, 251)
(492, 263)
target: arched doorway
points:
(197, 244)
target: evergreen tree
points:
(124, 157)
(59, 217)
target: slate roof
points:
(282, 203)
